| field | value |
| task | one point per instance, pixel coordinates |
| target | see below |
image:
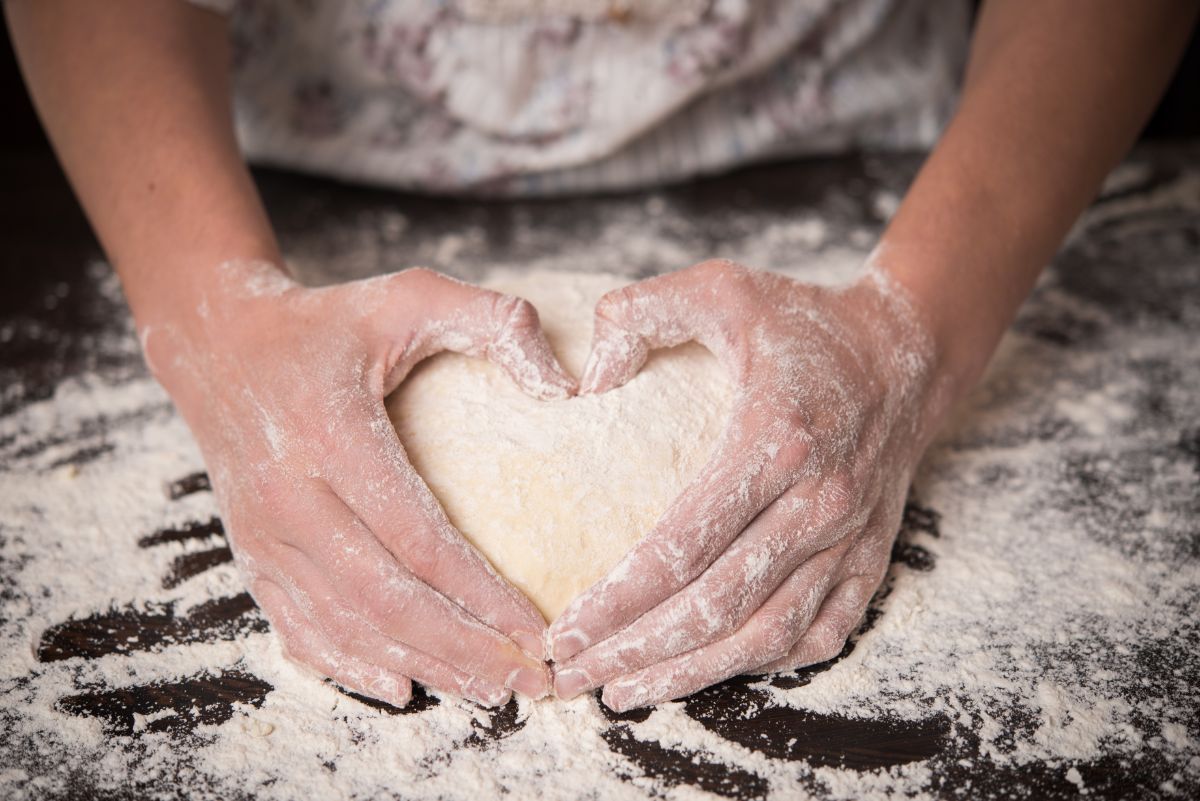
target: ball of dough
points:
(554, 493)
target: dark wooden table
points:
(47, 246)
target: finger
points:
(406, 518)
(661, 312)
(518, 345)
(350, 562)
(721, 600)
(745, 475)
(305, 644)
(355, 640)
(839, 617)
(422, 622)
(768, 634)
(467, 319)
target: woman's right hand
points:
(339, 540)
(342, 544)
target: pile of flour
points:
(1055, 634)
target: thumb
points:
(660, 312)
(518, 345)
(616, 356)
(463, 318)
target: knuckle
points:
(838, 497)
(615, 304)
(416, 275)
(422, 558)
(410, 282)
(678, 564)
(513, 313)
(721, 610)
(375, 602)
(720, 268)
(827, 645)
(423, 285)
(703, 625)
(775, 627)
(733, 278)
(792, 451)
(795, 419)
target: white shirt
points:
(544, 97)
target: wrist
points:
(909, 364)
(205, 310)
(165, 288)
(964, 310)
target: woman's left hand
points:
(767, 560)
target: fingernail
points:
(551, 390)
(586, 381)
(589, 384)
(489, 697)
(395, 696)
(571, 683)
(632, 700)
(530, 682)
(387, 689)
(531, 644)
(566, 381)
(568, 644)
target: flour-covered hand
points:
(767, 561)
(339, 540)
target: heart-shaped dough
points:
(554, 493)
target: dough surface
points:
(554, 493)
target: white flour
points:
(1050, 636)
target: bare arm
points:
(343, 546)
(768, 560)
(1055, 93)
(135, 96)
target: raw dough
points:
(554, 493)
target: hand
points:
(339, 540)
(767, 560)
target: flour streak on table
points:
(1036, 635)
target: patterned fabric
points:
(449, 96)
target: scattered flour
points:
(1056, 629)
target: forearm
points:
(135, 97)
(1054, 96)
